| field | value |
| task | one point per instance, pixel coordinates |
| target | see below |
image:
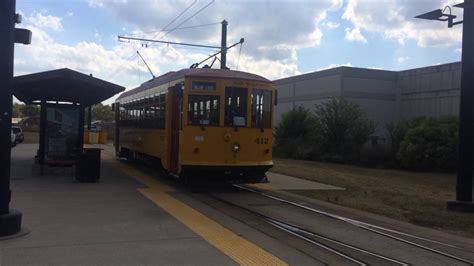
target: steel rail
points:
(352, 220)
(341, 254)
(368, 227)
(304, 231)
(300, 233)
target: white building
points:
(387, 96)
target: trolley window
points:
(203, 110)
(261, 108)
(204, 86)
(235, 107)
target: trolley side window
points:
(203, 110)
(159, 107)
(261, 108)
(235, 107)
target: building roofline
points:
(341, 70)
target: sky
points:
(282, 38)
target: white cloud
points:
(402, 59)
(45, 21)
(395, 20)
(337, 4)
(97, 34)
(70, 13)
(348, 64)
(458, 50)
(273, 31)
(114, 65)
(354, 35)
(375, 68)
(332, 25)
(120, 64)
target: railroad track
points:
(336, 247)
(311, 237)
(341, 248)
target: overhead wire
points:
(186, 20)
(173, 20)
(180, 28)
(132, 57)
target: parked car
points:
(20, 137)
(13, 138)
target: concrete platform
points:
(103, 223)
(127, 218)
(285, 182)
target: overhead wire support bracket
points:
(195, 65)
(122, 38)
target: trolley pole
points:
(224, 45)
(466, 116)
(10, 220)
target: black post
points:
(80, 141)
(10, 220)
(466, 116)
(224, 45)
(42, 133)
(89, 117)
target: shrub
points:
(344, 129)
(295, 135)
(397, 132)
(430, 144)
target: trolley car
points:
(199, 123)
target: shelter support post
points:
(80, 140)
(10, 220)
(42, 133)
(89, 117)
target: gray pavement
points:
(105, 223)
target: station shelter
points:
(63, 96)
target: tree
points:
(344, 129)
(16, 112)
(102, 112)
(397, 132)
(296, 134)
(29, 110)
(431, 144)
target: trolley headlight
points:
(235, 147)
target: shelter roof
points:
(63, 85)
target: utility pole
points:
(466, 115)
(465, 168)
(224, 45)
(10, 219)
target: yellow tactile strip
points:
(237, 248)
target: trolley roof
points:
(194, 72)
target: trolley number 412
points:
(261, 140)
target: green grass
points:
(418, 198)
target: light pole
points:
(464, 182)
(10, 219)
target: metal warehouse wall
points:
(387, 96)
(375, 91)
(307, 90)
(430, 91)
